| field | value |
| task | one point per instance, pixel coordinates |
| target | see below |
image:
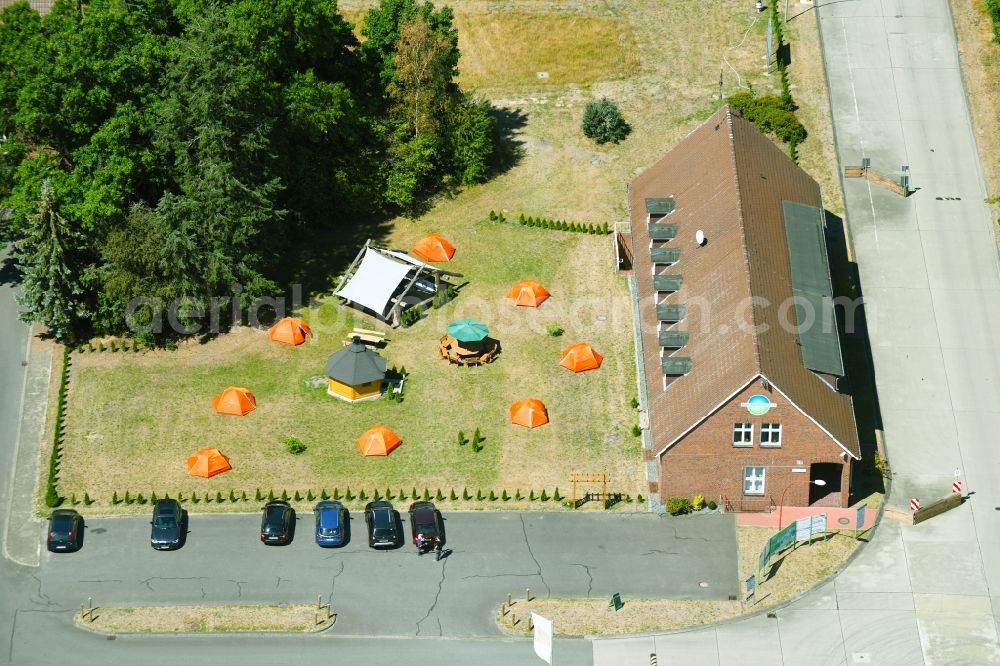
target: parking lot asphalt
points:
(395, 592)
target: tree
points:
(214, 125)
(422, 85)
(53, 281)
(603, 122)
(471, 140)
(382, 27)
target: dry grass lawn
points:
(791, 574)
(980, 57)
(203, 619)
(134, 418)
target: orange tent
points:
(235, 400)
(580, 357)
(378, 441)
(290, 330)
(207, 462)
(528, 293)
(529, 412)
(434, 248)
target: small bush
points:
(232, 496)
(712, 505)
(90, 346)
(389, 495)
(556, 496)
(86, 500)
(336, 493)
(531, 496)
(114, 347)
(194, 498)
(347, 495)
(294, 445)
(257, 496)
(678, 506)
(377, 496)
(323, 495)
(362, 496)
(461, 438)
(465, 494)
(415, 494)
(402, 494)
(298, 496)
(639, 499)
(270, 495)
(453, 496)
(479, 495)
(284, 495)
(218, 497)
(72, 499)
(555, 330)
(427, 495)
(493, 496)
(518, 496)
(493, 216)
(544, 497)
(698, 503)
(100, 345)
(634, 403)
(128, 498)
(636, 430)
(504, 496)
(243, 496)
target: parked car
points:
(382, 525)
(277, 522)
(331, 523)
(65, 531)
(167, 531)
(425, 526)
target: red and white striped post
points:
(914, 504)
(956, 487)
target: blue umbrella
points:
(468, 330)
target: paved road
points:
(397, 593)
(928, 265)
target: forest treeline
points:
(171, 149)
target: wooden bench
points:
(398, 388)
(367, 336)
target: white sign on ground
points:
(543, 637)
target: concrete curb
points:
(21, 529)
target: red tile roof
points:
(728, 180)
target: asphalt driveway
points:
(397, 593)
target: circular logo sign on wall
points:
(758, 404)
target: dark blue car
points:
(331, 523)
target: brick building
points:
(740, 343)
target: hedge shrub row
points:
(556, 225)
(347, 495)
(52, 498)
(769, 115)
(114, 346)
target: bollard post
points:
(509, 602)
(652, 659)
(527, 594)
(531, 624)
(319, 602)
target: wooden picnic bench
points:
(367, 336)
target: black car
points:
(277, 523)
(383, 530)
(167, 522)
(65, 530)
(331, 523)
(425, 525)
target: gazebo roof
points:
(355, 364)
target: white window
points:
(742, 434)
(770, 434)
(753, 480)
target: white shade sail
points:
(375, 281)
